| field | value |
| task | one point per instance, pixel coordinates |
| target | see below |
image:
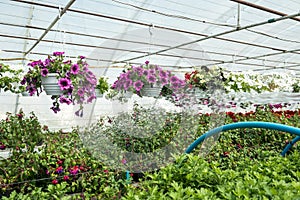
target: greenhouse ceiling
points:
(235, 34)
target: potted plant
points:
(147, 78)
(102, 86)
(74, 79)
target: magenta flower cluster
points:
(64, 173)
(75, 80)
(136, 77)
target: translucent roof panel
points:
(237, 35)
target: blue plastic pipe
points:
(253, 124)
(296, 139)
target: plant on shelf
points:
(9, 79)
(102, 85)
(204, 78)
(137, 78)
(296, 86)
(253, 82)
(76, 82)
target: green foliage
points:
(9, 79)
(19, 132)
(102, 85)
(194, 178)
(296, 86)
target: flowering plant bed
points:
(243, 164)
(137, 77)
(75, 80)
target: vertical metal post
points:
(238, 25)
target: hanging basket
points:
(127, 94)
(25, 94)
(151, 91)
(98, 93)
(50, 84)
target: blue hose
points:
(296, 139)
(253, 124)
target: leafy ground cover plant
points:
(20, 131)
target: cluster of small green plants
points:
(243, 164)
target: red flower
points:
(20, 115)
(54, 181)
(66, 177)
(2, 146)
(74, 170)
(45, 128)
(187, 76)
(59, 162)
(59, 170)
(105, 171)
(81, 168)
(226, 154)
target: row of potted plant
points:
(76, 84)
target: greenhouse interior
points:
(149, 99)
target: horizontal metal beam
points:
(139, 42)
(147, 24)
(264, 9)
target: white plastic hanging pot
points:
(50, 84)
(151, 90)
(98, 93)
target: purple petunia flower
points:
(82, 57)
(174, 79)
(44, 72)
(47, 62)
(31, 89)
(138, 85)
(67, 62)
(147, 62)
(64, 83)
(152, 71)
(151, 79)
(75, 69)
(90, 99)
(35, 63)
(163, 74)
(90, 74)
(23, 82)
(80, 92)
(58, 53)
(92, 80)
(175, 85)
(55, 109)
(146, 72)
(127, 84)
(164, 81)
(65, 100)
